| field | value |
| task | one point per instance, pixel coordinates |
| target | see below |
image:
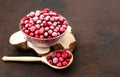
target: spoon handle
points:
(23, 58)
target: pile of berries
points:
(43, 24)
(59, 58)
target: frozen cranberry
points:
(52, 19)
(64, 55)
(41, 30)
(37, 32)
(33, 28)
(31, 22)
(46, 28)
(64, 63)
(54, 34)
(59, 64)
(64, 26)
(68, 60)
(50, 31)
(61, 19)
(37, 13)
(27, 31)
(49, 22)
(65, 23)
(51, 27)
(26, 21)
(49, 57)
(54, 24)
(58, 54)
(62, 29)
(35, 19)
(50, 61)
(37, 36)
(69, 55)
(26, 25)
(38, 21)
(46, 10)
(31, 34)
(55, 30)
(32, 14)
(46, 34)
(22, 23)
(56, 18)
(55, 60)
(47, 18)
(41, 17)
(41, 36)
(37, 26)
(61, 59)
(25, 18)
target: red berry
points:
(51, 27)
(35, 19)
(50, 61)
(27, 31)
(50, 31)
(49, 22)
(25, 18)
(32, 14)
(37, 36)
(64, 55)
(38, 21)
(31, 34)
(52, 19)
(41, 36)
(55, 60)
(46, 28)
(61, 19)
(46, 34)
(22, 23)
(68, 60)
(37, 26)
(54, 34)
(65, 23)
(64, 26)
(26, 25)
(58, 54)
(47, 18)
(69, 55)
(33, 28)
(37, 32)
(59, 64)
(46, 10)
(61, 59)
(37, 13)
(64, 63)
(62, 29)
(49, 57)
(26, 21)
(56, 18)
(41, 30)
(41, 17)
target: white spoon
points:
(33, 59)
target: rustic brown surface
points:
(96, 26)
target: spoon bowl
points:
(34, 59)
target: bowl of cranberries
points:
(43, 28)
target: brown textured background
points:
(96, 26)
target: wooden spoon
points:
(33, 59)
